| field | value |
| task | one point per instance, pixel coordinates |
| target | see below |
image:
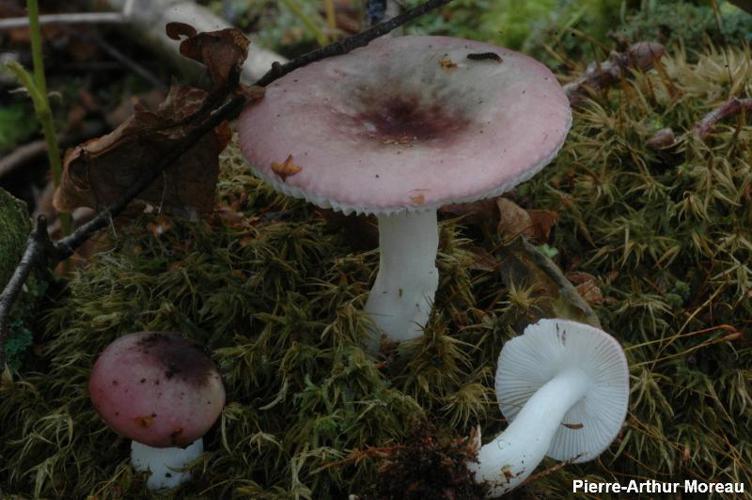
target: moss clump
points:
(14, 229)
(275, 291)
(688, 24)
(14, 221)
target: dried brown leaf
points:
(513, 219)
(522, 265)
(475, 213)
(542, 221)
(483, 261)
(99, 171)
(286, 169)
(222, 52)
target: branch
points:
(349, 44)
(665, 137)
(641, 56)
(728, 108)
(38, 248)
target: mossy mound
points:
(14, 221)
(274, 289)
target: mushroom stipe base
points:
(403, 293)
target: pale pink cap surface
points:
(407, 123)
(156, 388)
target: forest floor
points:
(646, 211)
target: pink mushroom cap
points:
(407, 123)
(156, 388)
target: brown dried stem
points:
(728, 108)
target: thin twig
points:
(37, 248)
(600, 75)
(79, 18)
(728, 108)
(348, 44)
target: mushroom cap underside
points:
(553, 346)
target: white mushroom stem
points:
(402, 296)
(512, 456)
(165, 464)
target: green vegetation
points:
(16, 126)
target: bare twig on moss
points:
(641, 56)
(37, 250)
(666, 138)
(728, 108)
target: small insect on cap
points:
(551, 347)
(156, 388)
(407, 123)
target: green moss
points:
(14, 221)
(688, 24)
(275, 292)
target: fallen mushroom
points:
(161, 391)
(398, 129)
(564, 388)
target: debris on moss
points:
(427, 465)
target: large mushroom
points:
(397, 129)
(161, 391)
(564, 388)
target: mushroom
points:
(161, 391)
(564, 388)
(398, 129)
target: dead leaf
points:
(447, 63)
(99, 171)
(483, 261)
(222, 52)
(513, 219)
(252, 93)
(543, 221)
(286, 168)
(587, 287)
(522, 265)
(126, 108)
(418, 199)
(159, 226)
(476, 212)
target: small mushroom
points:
(161, 391)
(564, 388)
(398, 129)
